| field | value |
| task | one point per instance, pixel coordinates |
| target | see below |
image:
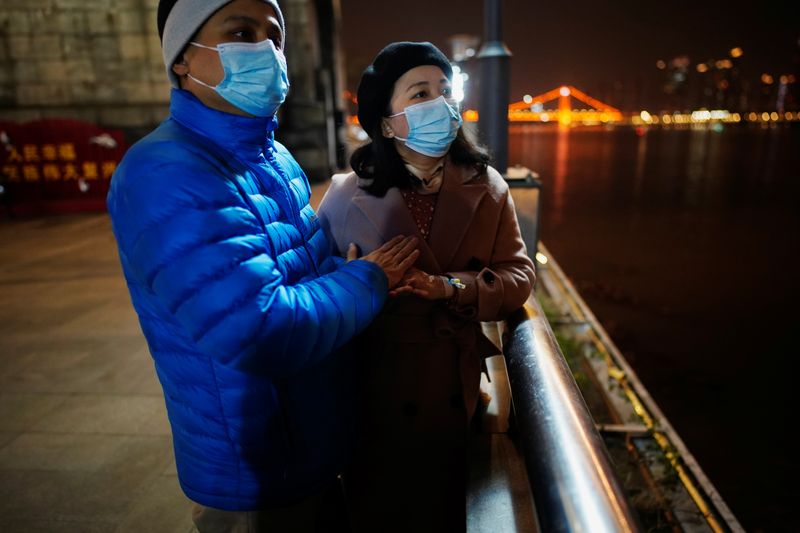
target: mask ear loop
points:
(204, 84)
(204, 46)
(397, 115)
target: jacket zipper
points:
(294, 209)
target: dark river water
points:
(685, 244)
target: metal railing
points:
(573, 482)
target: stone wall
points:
(309, 119)
(100, 61)
(93, 60)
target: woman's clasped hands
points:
(424, 285)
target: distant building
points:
(676, 81)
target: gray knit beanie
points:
(179, 20)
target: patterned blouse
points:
(422, 207)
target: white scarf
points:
(429, 177)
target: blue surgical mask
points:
(432, 126)
(256, 78)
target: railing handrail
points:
(573, 482)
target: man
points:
(230, 274)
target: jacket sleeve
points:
(187, 237)
(506, 283)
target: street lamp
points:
(495, 58)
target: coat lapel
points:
(458, 199)
(390, 217)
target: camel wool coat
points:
(474, 236)
(420, 361)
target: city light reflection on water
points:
(685, 244)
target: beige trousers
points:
(322, 513)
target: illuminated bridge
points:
(531, 109)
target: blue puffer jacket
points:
(241, 304)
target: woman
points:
(421, 358)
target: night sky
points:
(607, 49)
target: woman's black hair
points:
(379, 164)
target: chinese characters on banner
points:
(57, 165)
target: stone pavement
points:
(84, 441)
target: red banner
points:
(57, 165)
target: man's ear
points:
(181, 67)
(386, 129)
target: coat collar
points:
(390, 216)
(461, 193)
(247, 137)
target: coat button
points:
(410, 409)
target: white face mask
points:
(432, 126)
(256, 78)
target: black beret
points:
(377, 82)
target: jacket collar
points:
(390, 216)
(247, 137)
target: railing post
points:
(526, 190)
(495, 58)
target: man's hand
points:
(394, 257)
(424, 285)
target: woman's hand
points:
(395, 257)
(424, 285)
